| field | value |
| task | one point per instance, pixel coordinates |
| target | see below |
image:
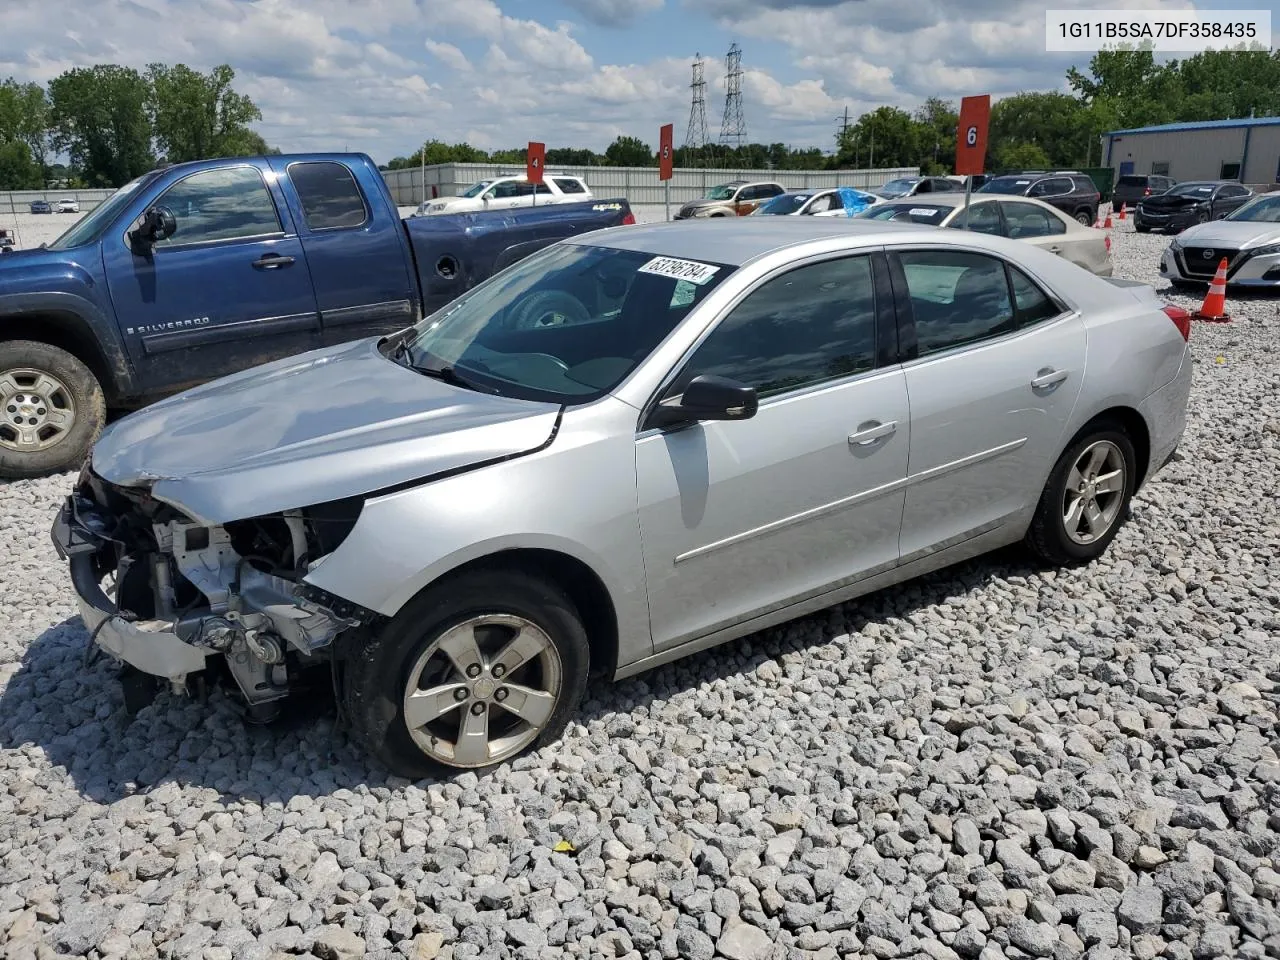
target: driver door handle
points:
(1049, 378)
(873, 432)
(272, 261)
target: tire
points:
(549, 308)
(48, 379)
(1048, 537)
(1141, 227)
(1202, 217)
(379, 674)
(1082, 216)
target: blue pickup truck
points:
(198, 270)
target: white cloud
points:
(614, 13)
(449, 55)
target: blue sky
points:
(383, 75)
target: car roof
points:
(957, 200)
(737, 241)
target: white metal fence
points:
(19, 201)
(636, 184)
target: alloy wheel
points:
(483, 690)
(36, 410)
(1094, 493)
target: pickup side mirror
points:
(158, 223)
(707, 397)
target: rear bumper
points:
(1165, 411)
(151, 646)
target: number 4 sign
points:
(535, 160)
(971, 144)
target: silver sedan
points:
(1248, 238)
(623, 449)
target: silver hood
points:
(1231, 233)
(332, 423)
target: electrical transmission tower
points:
(696, 136)
(733, 127)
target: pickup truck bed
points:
(199, 270)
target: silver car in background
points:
(623, 449)
(1248, 237)
(1019, 218)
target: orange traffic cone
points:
(1107, 225)
(1122, 211)
(1214, 308)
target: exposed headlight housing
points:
(1265, 251)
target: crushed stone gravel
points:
(993, 762)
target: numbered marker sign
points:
(535, 161)
(971, 144)
(665, 157)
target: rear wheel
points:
(1085, 217)
(51, 409)
(472, 672)
(1087, 497)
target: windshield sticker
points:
(924, 212)
(1022, 183)
(690, 270)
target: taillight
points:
(1146, 192)
(629, 220)
(1181, 319)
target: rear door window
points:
(330, 197)
(569, 185)
(957, 298)
(1026, 220)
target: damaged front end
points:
(176, 598)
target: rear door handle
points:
(872, 432)
(1049, 378)
(272, 261)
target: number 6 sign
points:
(971, 148)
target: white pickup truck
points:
(510, 191)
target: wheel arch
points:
(579, 581)
(1134, 426)
(63, 325)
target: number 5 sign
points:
(971, 144)
(665, 158)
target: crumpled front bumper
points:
(151, 646)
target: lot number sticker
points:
(690, 270)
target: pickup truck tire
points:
(52, 409)
(448, 643)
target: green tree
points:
(885, 137)
(199, 115)
(572, 157)
(1053, 122)
(1020, 155)
(17, 170)
(24, 117)
(937, 120)
(102, 122)
(629, 152)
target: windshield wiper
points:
(444, 372)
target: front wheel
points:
(51, 409)
(1086, 499)
(471, 673)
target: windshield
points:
(1264, 209)
(90, 227)
(907, 213)
(1131, 182)
(722, 192)
(1013, 185)
(784, 203)
(1190, 190)
(475, 189)
(897, 188)
(564, 325)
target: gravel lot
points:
(992, 762)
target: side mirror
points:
(707, 397)
(158, 223)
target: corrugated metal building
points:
(1247, 150)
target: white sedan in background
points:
(1248, 237)
(816, 203)
(1019, 218)
(67, 205)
